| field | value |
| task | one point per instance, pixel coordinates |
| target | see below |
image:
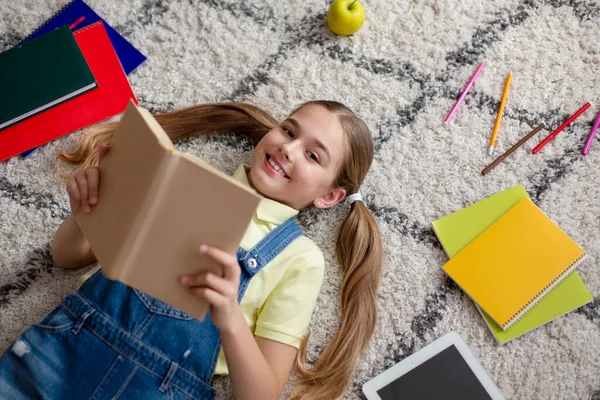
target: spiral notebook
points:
(110, 98)
(78, 15)
(457, 230)
(514, 263)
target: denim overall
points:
(107, 341)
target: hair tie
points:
(355, 197)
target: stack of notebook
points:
(514, 262)
(69, 74)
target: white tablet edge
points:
(452, 338)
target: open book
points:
(156, 207)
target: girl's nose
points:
(287, 150)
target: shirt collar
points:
(268, 210)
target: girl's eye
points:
(288, 132)
(313, 156)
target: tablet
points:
(445, 369)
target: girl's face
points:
(297, 162)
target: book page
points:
(195, 206)
(133, 163)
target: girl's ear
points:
(330, 199)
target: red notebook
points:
(110, 98)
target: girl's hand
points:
(220, 292)
(82, 187)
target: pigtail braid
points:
(359, 253)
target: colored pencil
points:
(513, 148)
(500, 111)
(464, 93)
(560, 128)
(588, 142)
(77, 22)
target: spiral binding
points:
(567, 271)
(50, 20)
(85, 28)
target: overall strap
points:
(253, 260)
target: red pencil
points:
(560, 128)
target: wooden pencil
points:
(500, 111)
(515, 146)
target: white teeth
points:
(274, 165)
(277, 168)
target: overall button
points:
(252, 263)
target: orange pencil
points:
(500, 110)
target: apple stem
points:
(351, 4)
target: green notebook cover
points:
(457, 230)
(40, 74)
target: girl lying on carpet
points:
(108, 340)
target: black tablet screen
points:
(444, 376)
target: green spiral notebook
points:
(457, 230)
(40, 74)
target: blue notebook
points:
(72, 13)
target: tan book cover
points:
(156, 207)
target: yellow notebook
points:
(514, 263)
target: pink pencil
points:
(77, 22)
(464, 93)
(588, 142)
(560, 128)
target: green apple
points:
(345, 17)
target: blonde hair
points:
(358, 245)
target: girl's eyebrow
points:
(294, 122)
(318, 143)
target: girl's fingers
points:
(93, 181)
(74, 196)
(231, 268)
(214, 298)
(83, 191)
(210, 281)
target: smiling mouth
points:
(276, 167)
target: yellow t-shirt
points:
(280, 299)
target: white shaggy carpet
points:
(401, 73)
